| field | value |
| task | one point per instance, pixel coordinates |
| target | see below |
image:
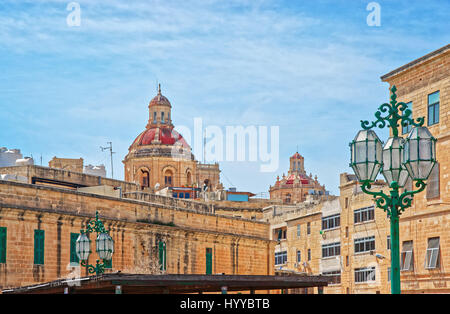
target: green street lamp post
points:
(399, 159)
(104, 245)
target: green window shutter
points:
(162, 255)
(208, 261)
(2, 244)
(73, 252)
(108, 263)
(39, 240)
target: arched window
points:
(154, 117)
(188, 178)
(168, 177)
(145, 178)
(162, 117)
(288, 198)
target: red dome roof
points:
(297, 156)
(159, 99)
(167, 136)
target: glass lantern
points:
(104, 246)
(366, 155)
(83, 247)
(419, 153)
(393, 168)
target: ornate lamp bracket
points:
(392, 113)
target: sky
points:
(312, 68)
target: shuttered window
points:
(432, 258)
(73, 253)
(433, 190)
(162, 255)
(39, 240)
(2, 244)
(208, 261)
(407, 260)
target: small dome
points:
(159, 99)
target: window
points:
(308, 228)
(346, 260)
(335, 276)
(280, 258)
(162, 117)
(280, 234)
(181, 195)
(364, 214)
(406, 259)
(309, 254)
(346, 232)
(108, 263)
(287, 198)
(175, 195)
(186, 195)
(145, 178)
(154, 117)
(208, 261)
(365, 274)
(298, 231)
(346, 202)
(73, 253)
(432, 260)
(407, 128)
(39, 241)
(388, 242)
(162, 255)
(433, 108)
(433, 183)
(365, 244)
(168, 174)
(389, 274)
(331, 222)
(299, 256)
(2, 244)
(332, 249)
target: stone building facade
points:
(160, 157)
(424, 84)
(348, 238)
(39, 224)
(295, 187)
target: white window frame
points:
(405, 255)
(432, 252)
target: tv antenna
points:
(111, 153)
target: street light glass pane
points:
(420, 153)
(366, 154)
(82, 247)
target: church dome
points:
(160, 136)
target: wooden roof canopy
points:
(172, 284)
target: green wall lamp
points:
(104, 246)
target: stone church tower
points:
(160, 157)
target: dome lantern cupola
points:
(159, 111)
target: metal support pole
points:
(395, 253)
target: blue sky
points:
(310, 67)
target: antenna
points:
(204, 146)
(111, 152)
